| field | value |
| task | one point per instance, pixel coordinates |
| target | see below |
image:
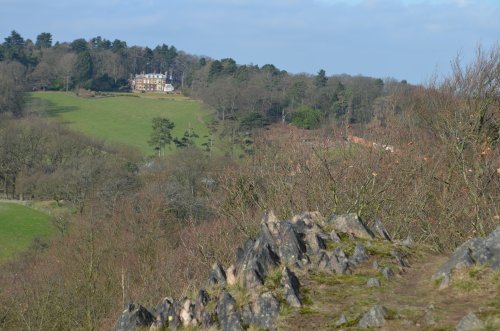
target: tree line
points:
(248, 94)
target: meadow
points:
(19, 225)
(127, 118)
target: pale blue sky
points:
(405, 39)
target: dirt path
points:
(412, 298)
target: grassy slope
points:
(18, 226)
(127, 119)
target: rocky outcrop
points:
(134, 316)
(291, 287)
(352, 225)
(263, 312)
(282, 249)
(470, 323)
(375, 317)
(227, 313)
(474, 251)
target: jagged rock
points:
(162, 312)
(339, 262)
(461, 258)
(341, 320)
(387, 273)
(375, 265)
(476, 250)
(227, 313)
(263, 312)
(217, 275)
(284, 241)
(324, 262)
(246, 315)
(241, 253)
(359, 255)
(373, 282)
(309, 217)
(291, 286)
(308, 231)
(314, 243)
(135, 316)
(374, 318)
(352, 225)
(479, 251)
(256, 262)
(263, 261)
(493, 244)
(231, 275)
(334, 236)
(174, 320)
(469, 323)
(200, 313)
(380, 230)
(186, 313)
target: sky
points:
(404, 39)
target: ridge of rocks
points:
(267, 271)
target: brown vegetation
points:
(158, 230)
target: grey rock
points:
(461, 258)
(186, 313)
(387, 273)
(291, 286)
(201, 314)
(493, 244)
(263, 312)
(351, 224)
(285, 241)
(334, 236)
(469, 323)
(480, 251)
(375, 317)
(314, 243)
(324, 262)
(246, 314)
(375, 265)
(380, 230)
(341, 320)
(163, 311)
(227, 313)
(476, 250)
(241, 253)
(340, 262)
(135, 316)
(373, 282)
(359, 255)
(256, 262)
(217, 275)
(309, 218)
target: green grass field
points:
(18, 226)
(127, 118)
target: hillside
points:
(127, 118)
